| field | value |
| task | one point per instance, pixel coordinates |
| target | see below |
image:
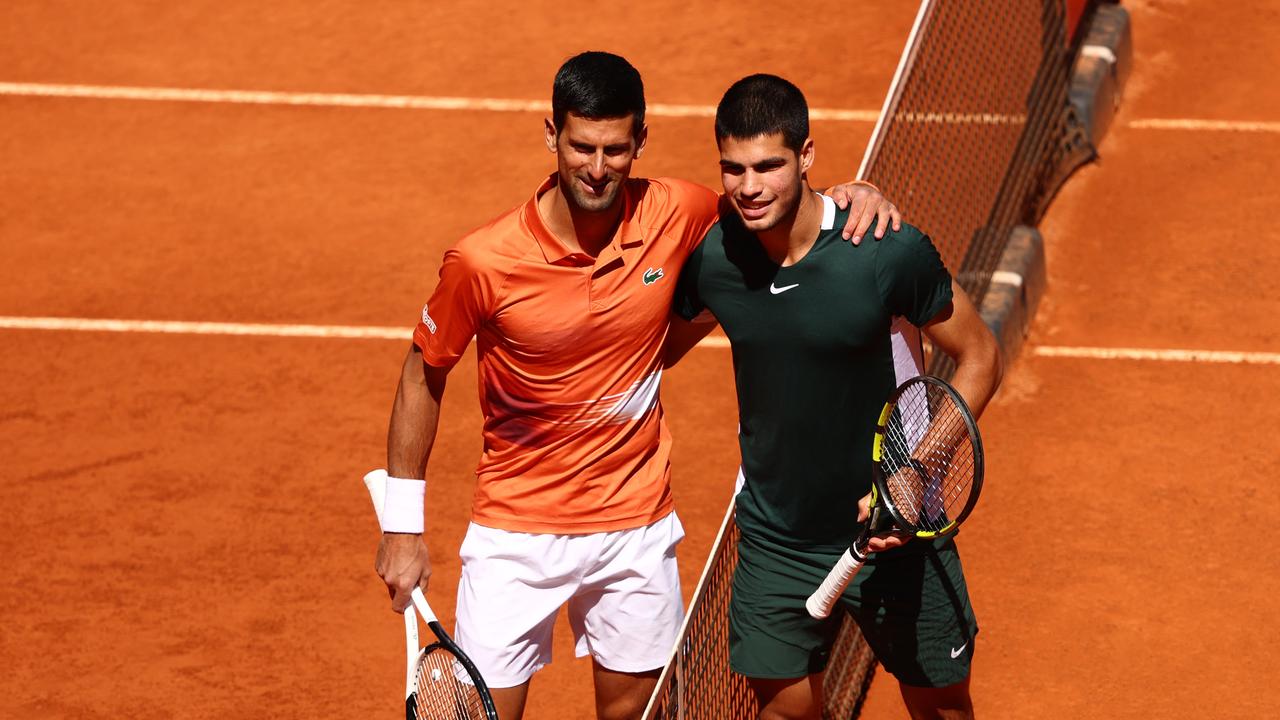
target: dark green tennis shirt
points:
(814, 363)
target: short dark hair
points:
(763, 105)
(598, 85)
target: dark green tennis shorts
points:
(910, 603)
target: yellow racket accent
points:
(926, 534)
(878, 443)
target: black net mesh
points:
(699, 684)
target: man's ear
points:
(807, 154)
(549, 134)
(641, 138)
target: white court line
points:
(1203, 125)
(439, 102)
(1203, 356)
(352, 100)
(177, 327)
(1102, 52)
(1005, 277)
(264, 97)
(180, 327)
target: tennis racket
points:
(926, 475)
(441, 682)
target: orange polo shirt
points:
(570, 358)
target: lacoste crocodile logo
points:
(652, 276)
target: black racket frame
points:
(883, 499)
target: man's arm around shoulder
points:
(684, 335)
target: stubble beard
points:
(593, 203)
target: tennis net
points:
(976, 125)
(974, 131)
(698, 685)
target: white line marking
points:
(1208, 356)
(204, 328)
(433, 102)
(398, 102)
(1102, 52)
(178, 327)
(866, 116)
(1093, 353)
(264, 97)
(1205, 125)
(1005, 277)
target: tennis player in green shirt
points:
(822, 331)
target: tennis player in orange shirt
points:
(569, 298)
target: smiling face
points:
(594, 158)
(763, 178)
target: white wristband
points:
(403, 502)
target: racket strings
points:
(928, 458)
(444, 689)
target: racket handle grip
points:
(411, 649)
(821, 602)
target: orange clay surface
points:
(184, 532)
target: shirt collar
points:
(630, 233)
(828, 213)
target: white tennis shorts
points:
(622, 588)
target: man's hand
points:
(402, 563)
(883, 541)
(866, 203)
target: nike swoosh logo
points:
(779, 290)
(955, 653)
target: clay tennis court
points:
(185, 533)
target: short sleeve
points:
(687, 302)
(912, 279)
(694, 207)
(454, 311)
